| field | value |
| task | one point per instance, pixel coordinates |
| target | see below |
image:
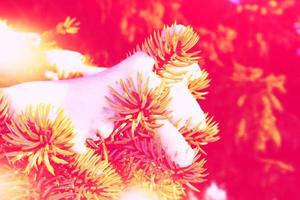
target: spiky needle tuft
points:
(173, 50)
(138, 106)
(198, 85)
(40, 136)
(4, 108)
(95, 178)
(198, 137)
(162, 187)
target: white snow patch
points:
(137, 194)
(214, 192)
(175, 145)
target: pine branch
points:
(146, 154)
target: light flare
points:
(13, 185)
(14, 45)
(21, 56)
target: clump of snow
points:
(175, 145)
(184, 107)
(214, 192)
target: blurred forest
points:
(251, 50)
